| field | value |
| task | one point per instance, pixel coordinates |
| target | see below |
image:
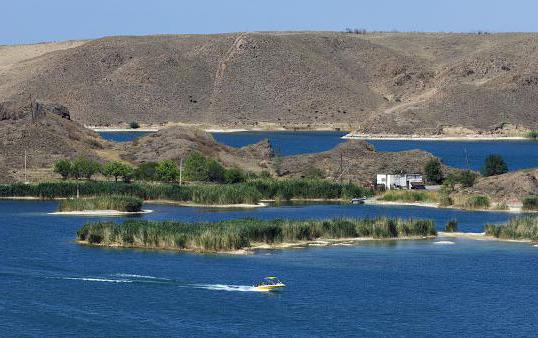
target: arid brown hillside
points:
(377, 83)
(46, 133)
(357, 161)
(509, 188)
(177, 143)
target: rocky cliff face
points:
(376, 83)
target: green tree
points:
(167, 171)
(63, 168)
(134, 125)
(146, 171)
(84, 168)
(215, 171)
(467, 178)
(451, 226)
(234, 175)
(196, 167)
(118, 169)
(494, 165)
(433, 171)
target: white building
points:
(399, 181)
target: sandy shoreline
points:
(194, 205)
(412, 204)
(351, 136)
(110, 130)
(99, 213)
(264, 246)
(479, 236)
(324, 242)
(512, 210)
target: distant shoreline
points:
(320, 242)
(99, 213)
(391, 137)
(349, 136)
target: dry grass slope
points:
(378, 82)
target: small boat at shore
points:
(269, 284)
(360, 200)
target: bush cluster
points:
(250, 192)
(530, 203)
(517, 228)
(238, 234)
(111, 202)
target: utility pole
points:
(341, 167)
(25, 166)
(180, 171)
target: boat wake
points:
(444, 243)
(104, 280)
(146, 279)
(128, 275)
(224, 287)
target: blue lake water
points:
(50, 286)
(122, 136)
(460, 154)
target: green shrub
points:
(134, 125)
(410, 196)
(83, 167)
(533, 135)
(451, 226)
(167, 171)
(118, 169)
(477, 202)
(111, 202)
(433, 171)
(234, 175)
(494, 165)
(64, 168)
(467, 178)
(525, 228)
(146, 172)
(196, 168)
(215, 172)
(241, 233)
(530, 203)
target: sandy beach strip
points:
(390, 137)
(99, 213)
(195, 205)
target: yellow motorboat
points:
(269, 284)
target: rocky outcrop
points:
(509, 188)
(44, 132)
(357, 161)
(14, 110)
(178, 142)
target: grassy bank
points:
(524, 228)
(112, 202)
(239, 234)
(473, 202)
(241, 193)
(410, 196)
